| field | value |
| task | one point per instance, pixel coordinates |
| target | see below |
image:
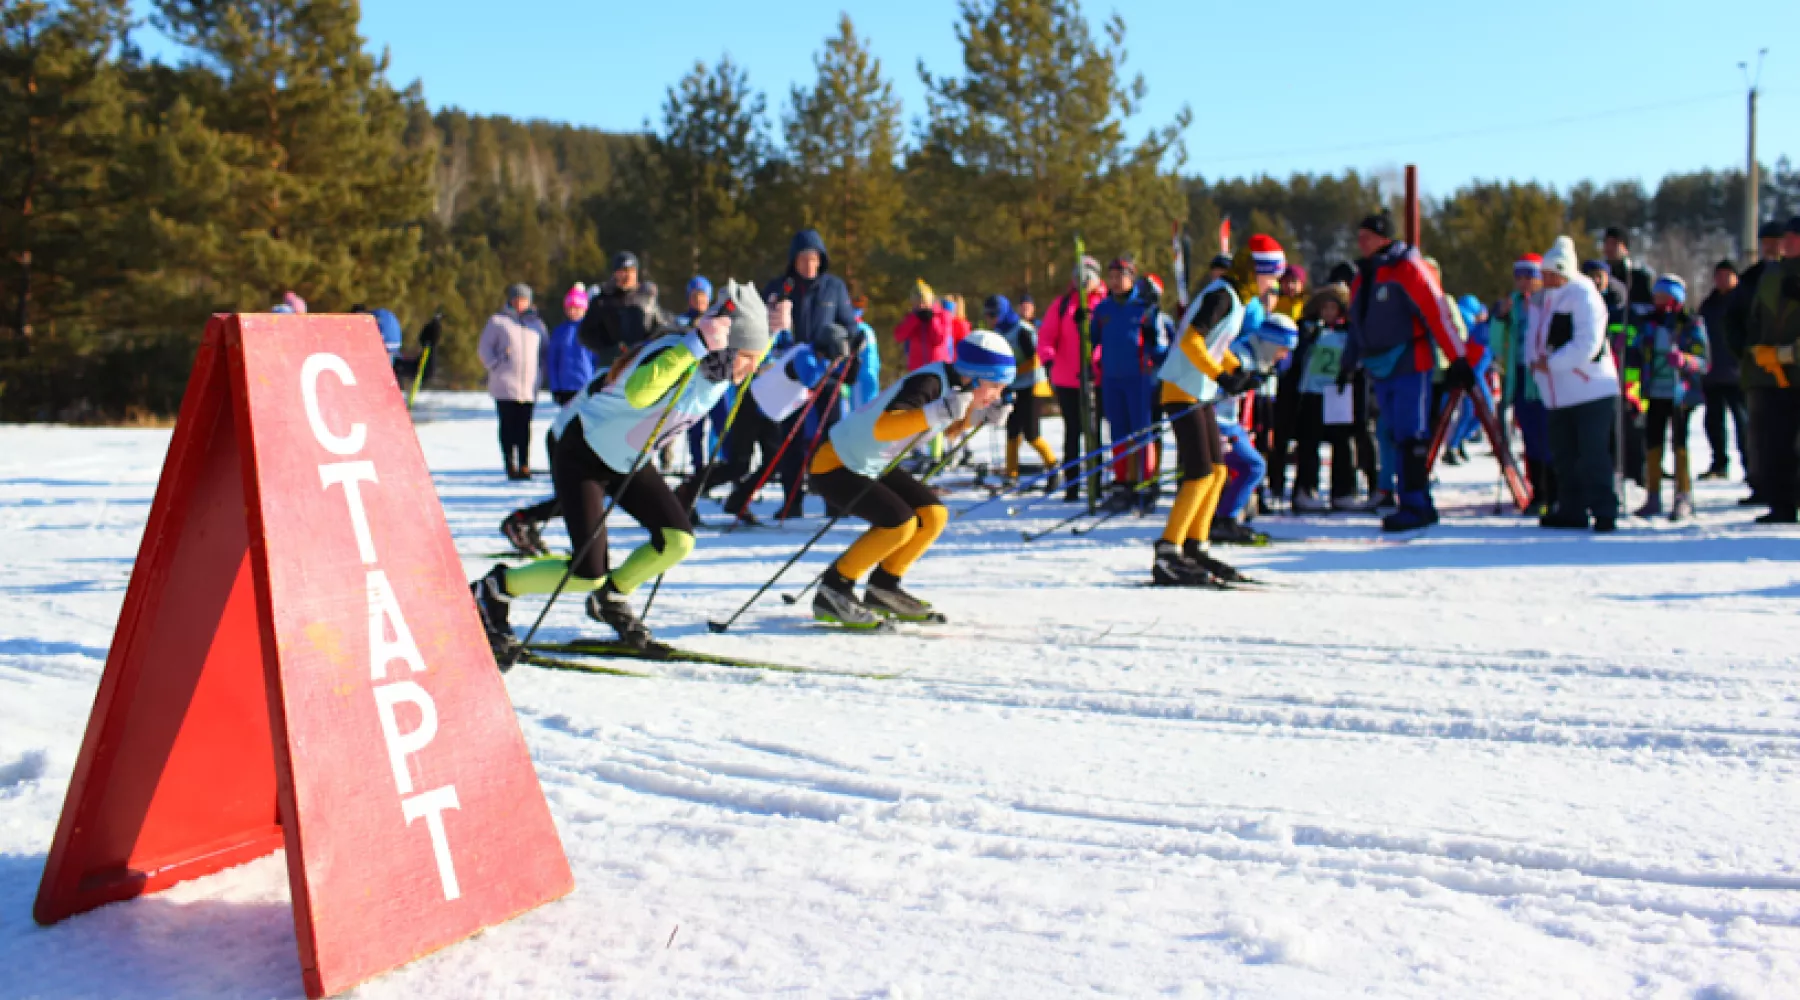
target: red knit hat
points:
(1266, 255)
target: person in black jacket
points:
(1737, 335)
(624, 314)
(1724, 394)
(821, 302)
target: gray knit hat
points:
(749, 318)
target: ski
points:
(663, 653)
(546, 662)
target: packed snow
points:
(1490, 761)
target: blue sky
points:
(1553, 92)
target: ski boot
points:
(1683, 509)
(1410, 519)
(1652, 507)
(523, 535)
(613, 608)
(492, 605)
(1119, 500)
(1560, 520)
(1230, 531)
(884, 597)
(1224, 571)
(1605, 525)
(835, 602)
(746, 519)
(1051, 483)
(1171, 570)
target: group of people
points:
(1250, 373)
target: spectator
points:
(925, 331)
(291, 304)
(624, 314)
(1622, 330)
(511, 347)
(1477, 326)
(1771, 370)
(1671, 357)
(1397, 312)
(1518, 390)
(568, 366)
(1571, 360)
(1027, 309)
(1059, 347)
(1635, 282)
(867, 353)
(1724, 393)
(1292, 300)
(1737, 340)
(820, 298)
(699, 297)
(1119, 326)
(959, 316)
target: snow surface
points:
(1492, 762)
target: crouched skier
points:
(602, 436)
(855, 471)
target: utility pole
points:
(1752, 185)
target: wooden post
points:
(1412, 204)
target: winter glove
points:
(713, 331)
(1460, 376)
(781, 315)
(433, 329)
(1238, 382)
(947, 410)
(1346, 377)
(1769, 360)
(995, 415)
(1562, 330)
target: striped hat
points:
(985, 356)
(1278, 329)
(1267, 255)
(1672, 286)
(1529, 266)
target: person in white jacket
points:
(1571, 360)
(511, 349)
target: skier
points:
(1200, 365)
(1672, 355)
(603, 443)
(855, 472)
(781, 389)
(1028, 390)
(1260, 350)
(1396, 312)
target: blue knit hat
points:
(1672, 286)
(698, 283)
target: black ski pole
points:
(650, 443)
(718, 626)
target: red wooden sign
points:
(298, 664)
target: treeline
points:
(137, 197)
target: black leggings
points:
(515, 433)
(1026, 417)
(889, 503)
(1664, 418)
(753, 433)
(1199, 448)
(583, 482)
(1068, 400)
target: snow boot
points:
(523, 535)
(1308, 502)
(1779, 515)
(1683, 509)
(884, 597)
(1219, 568)
(1653, 477)
(613, 608)
(1410, 519)
(492, 605)
(1605, 525)
(835, 601)
(1564, 520)
(1384, 500)
(1171, 570)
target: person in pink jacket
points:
(511, 349)
(1059, 348)
(925, 332)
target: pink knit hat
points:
(576, 299)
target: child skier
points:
(852, 471)
(1259, 349)
(1326, 315)
(1199, 364)
(1672, 354)
(603, 441)
(1029, 389)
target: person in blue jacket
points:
(1468, 425)
(1124, 327)
(699, 296)
(568, 365)
(868, 358)
(820, 301)
(1672, 354)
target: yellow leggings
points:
(1196, 502)
(895, 549)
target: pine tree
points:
(700, 170)
(844, 134)
(62, 105)
(325, 196)
(1028, 146)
